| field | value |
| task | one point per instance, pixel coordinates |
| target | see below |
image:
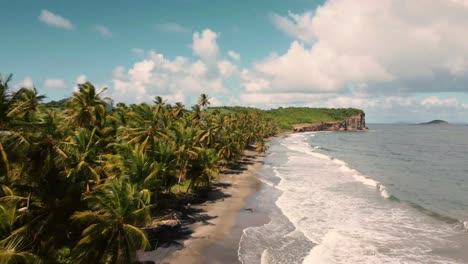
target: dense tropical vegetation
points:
(285, 118)
(80, 178)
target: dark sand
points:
(213, 235)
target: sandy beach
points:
(214, 236)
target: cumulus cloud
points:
(296, 26)
(54, 83)
(27, 82)
(103, 31)
(79, 80)
(384, 46)
(434, 101)
(172, 28)
(55, 20)
(205, 46)
(312, 70)
(176, 79)
(234, 55)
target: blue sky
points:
(398, 61)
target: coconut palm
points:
(24, 103)
(196, 114)
(179, 110)
(205, 168)
(86, 108)
(165, 167)
(132, 163)
(260, 146)
(111, 233)
(81, 154)
(203, 101)
(12, 252)
(5, 98)
(184, 138)
(159, 102)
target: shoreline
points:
(220, 220)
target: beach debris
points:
(249, 209)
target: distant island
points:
(435, 122)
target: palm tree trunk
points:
(182, 173)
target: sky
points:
(398, 60)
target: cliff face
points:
(354, 123)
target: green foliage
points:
(63, 256)
(286, 117)
(80, 174)
(111, 233)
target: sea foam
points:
(347, 223)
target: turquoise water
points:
(426, 166)
(395, 194)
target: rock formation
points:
(353, 123)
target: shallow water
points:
(392, 195)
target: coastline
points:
(214, 237)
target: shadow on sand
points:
(165, 239)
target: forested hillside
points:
(284, 118)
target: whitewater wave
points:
(321, 199)
(305, 148)
(325, 214)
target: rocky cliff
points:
(353, 123)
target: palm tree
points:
(24, 103)
(206, 167)
(209, 132)
(81, 157)
(131, 163)
(5, 98)
(260, 146)
(184, 138)
(165, 157)
(158, 100)
(86, 108)
(195, 115)
(12, 242)
(13, 252)
(111, 233)
(203, 101)
(179, 110)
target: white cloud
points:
(25, 83)
(226, 68)
(435, 101)
(234, 55)
(319, 69)
(55, 20)
(172, 28)
(273, 100)
(215, 102)
(296, 26)
(79, 80)
(205, 46)
(138, 51)
(387, 45)
(54, 83)
(103, 31)
(177, 79)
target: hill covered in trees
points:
(285, 118)
(80, 177)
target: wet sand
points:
(214, 236)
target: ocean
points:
(394, 194)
